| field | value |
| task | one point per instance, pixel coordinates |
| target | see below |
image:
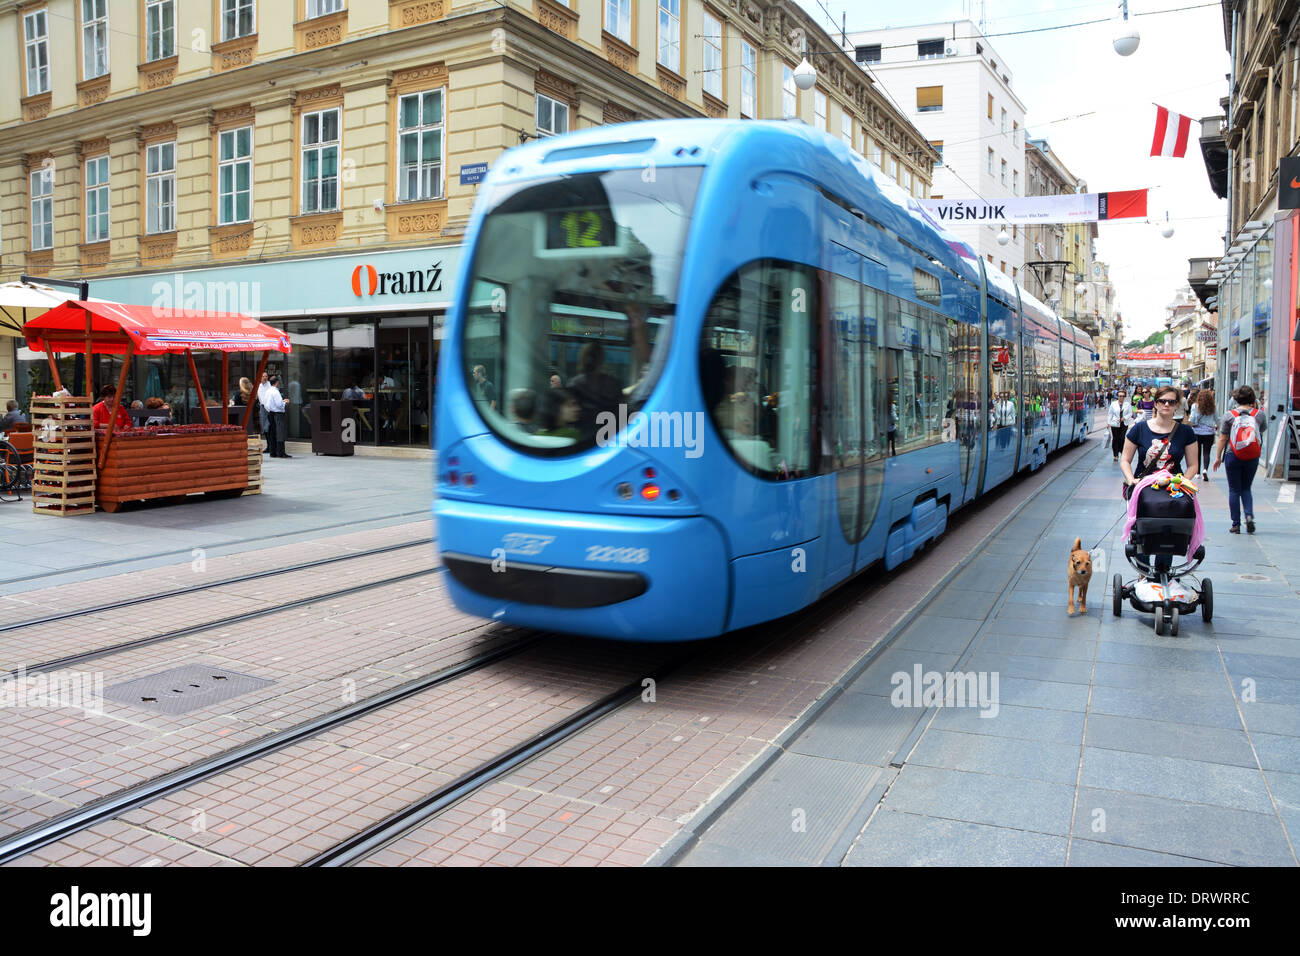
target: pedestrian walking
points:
(1120, 418)
(1241, 442)
(1205, 422)
(274, 404)
(1159, 443)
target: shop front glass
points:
(305, 378)
(1261, 312)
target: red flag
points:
(1172, 132)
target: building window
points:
(712, 56)
(938, 148)
(929, 99)
(990, 106)
(891, 166)
(618, 19)
(419, 148)
(97, 199)
(846, 129)
(94, 38)
(160, 188)
(908, 181)
(159, 29)
(989, 257)
(670, 34)
(238, 19)
(1015, 133)
(320, 161)
(990, 162)
(42, 186)
(789, 93)
(748, 80)
(1004, 172)
(235, 176)
(1003, 266)
(1015, 182)
(319, 8)
(929, 49)
(877, 155)
(552, 116)
(819, 110)
(36, 42)
(1015, 232)
(867, 54)
(1004, 121)
(1015, 273)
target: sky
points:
(1097, 110)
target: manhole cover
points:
(183, 689)
(1252, 577)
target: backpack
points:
(1243, 439)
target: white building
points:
(950, 82)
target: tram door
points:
(968, 418)
(854, 434)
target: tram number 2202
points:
(618, 555)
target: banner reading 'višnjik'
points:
(1032, 210)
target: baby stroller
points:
(1163, 519)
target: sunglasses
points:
(1166, 401)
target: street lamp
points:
(1127, 40)
(805, 74)
(1004, 237)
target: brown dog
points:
(1080, 573)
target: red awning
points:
(150, 330)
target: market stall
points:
(168, 461)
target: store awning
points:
(149, 330)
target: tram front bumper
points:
(618, 576)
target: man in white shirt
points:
(263, 419)
(273, 402)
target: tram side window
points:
(915, 373)
(1003, 400)
(759, 369)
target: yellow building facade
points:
(149, 144)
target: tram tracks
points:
(79, 657)
(367, 838)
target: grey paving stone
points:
(1286, 794)
(1025, 723)
(1276, 751)
(1260, 666)
(943, 635)
(983, 575)
(1283, 719)
(1035, 668)
(1161, 738)
(1088, 853)
(859, 728)
(1218, 834)
(983, 798)
(1065, 648)
(1213, 684)
(1053, 695)
(1181, 657)
(878, 678)
(817, 793)
(1005, 756)
(963, 605)
(1171, 708)
(1177, 778)
(908, 839)
(707, 853)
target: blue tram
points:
(698, 373)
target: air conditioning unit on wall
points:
(950, 49)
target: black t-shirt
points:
(1170, 454)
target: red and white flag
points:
(1172, 133)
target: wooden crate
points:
(63, 467)
(254, 467)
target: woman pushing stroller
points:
(1159, 443)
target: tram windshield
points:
(572, 299)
